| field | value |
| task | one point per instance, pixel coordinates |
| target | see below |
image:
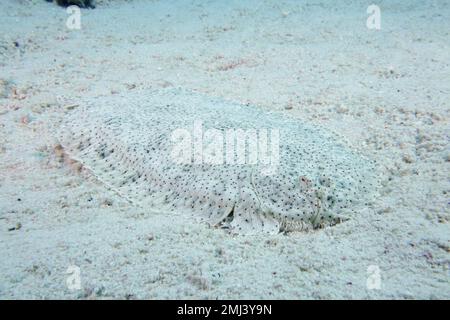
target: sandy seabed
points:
(386, 91)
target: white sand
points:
(386, 91)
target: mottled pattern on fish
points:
(128, 143)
